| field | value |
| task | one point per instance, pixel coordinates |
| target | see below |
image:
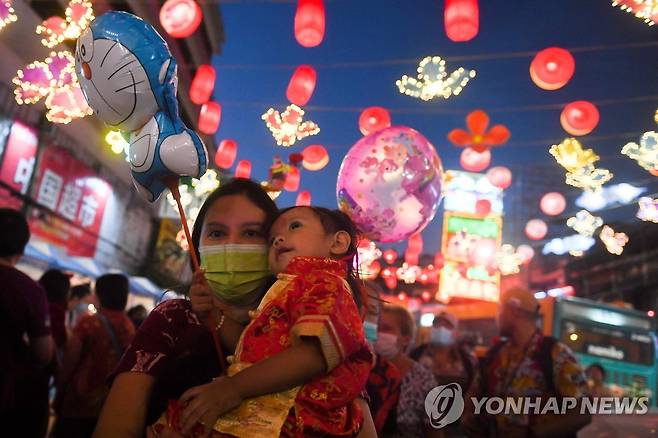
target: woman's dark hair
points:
(334, 221)
(236, 186)
(57, 285)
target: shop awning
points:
(144, 286)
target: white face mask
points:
(443, 336)
(387, 345)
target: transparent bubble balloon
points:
(390, 184)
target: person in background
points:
(596, 381)
(26, 346)
(395, 335)
(94, 349)
(137, 315)
(57, 285)
(80, 300)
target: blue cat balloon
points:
(129, 79)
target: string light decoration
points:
(584, 223)
(645, 153)
(645, 10)
(571, 155)
(617, 194)
(206, 184)
(433, 81)
(287, 127)
(588, 178)
(53, 79)
(408, 273)
(55, 30)
(117, 143)
(508, 260)
(648, 211)
(185, 197)
(7, 14)
(614, 242)
(576, 245)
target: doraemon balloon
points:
(128, 77)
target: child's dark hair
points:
(334, 221)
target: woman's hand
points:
(205, 403)
(161, 431)
(200, 294)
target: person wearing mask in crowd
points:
(81, 302)
(596, 381)
(394, 337)
(384, 381)
(137, 315)
(525, 364)
(57, 285)
(94, 349)
(26, 346)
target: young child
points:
(303, 360)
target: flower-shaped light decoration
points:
(53, 79)
(479, 139)
(185, 197)
(584, 223)
(433, 80)
(645, 10)
(648, 209)
(117, 143)
(7, 14)
(614, 242)
(571, 155)
(287, 127)
(645, 153)
(508, 260)
(588, 178)
(55, 30)
(575, 245)
(408, 273)
(180, 236)
(206, 184)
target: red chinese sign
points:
(71, 189)
(18, 163)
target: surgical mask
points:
(387, 345)
(443, 336)
(370, 330)
(235, 272)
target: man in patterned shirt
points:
(526, 364)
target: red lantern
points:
(500, 176)
(391, 282)
(402, 296)
(180, 18)
(483, 207)
(438, 260)
(536, 229)
(579, 118)
(303, 199)
(526, 253)
(301, 85)
(415, 243)
(315, 157)
(461, 19)
(552, 203)
(390, 255)
(244, 169)
(309, 22)
(474, 161)
(202, 85)
(209, 117)
(226, 153)
(552, 68)
(293, 177)
(373, 119)
(411, 257)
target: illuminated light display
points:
(536, 229)
(180, 18)
(303, 199)
(7, 14)
(117, 143)
(474, 161)
(645, 10)
(433, 81)
(203, 84)
(408, 273)
(301, 85)
(461, 19)
(500, 176)
(645, 153)
(368, 252)
(584, 223)
(579, 118)
(552, 203)
(390, 256)
(526, 253)
(206, 184)
(315, 157)
(288, 127)
(648, 209)
(614, 242)
(571, 155)
(588, 178)
(55, 30)
(508, 260)
(622, 193)
(309, 22)
(185, 197)
(209, 117)
(570, 244)
(478, 137)
(464, 189)
(243, 169)
(373, 119)
(552, 68)
(226, 153)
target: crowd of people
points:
(278, 337)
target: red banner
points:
(18, 163)
(71, 189)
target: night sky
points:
(369, 44)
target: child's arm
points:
(292, 367)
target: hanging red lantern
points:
(579, 118)
(426, 296)
(209, 117)
(438, 260)
(411, 257)
(461, 19)
(203, 84)
(180, 18)
(226, 153)
(303, 199)
(500, 176)
(373, 119)
(301, 85)
(390, 256)
(474, 161)
(552, 68)
(315, 157)
(552, 203)
(402, 296)
(391, 282)
(536, 229)
(482, 207)
(309, 22)
(293, 177)
(243, 170)
(415, 243)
